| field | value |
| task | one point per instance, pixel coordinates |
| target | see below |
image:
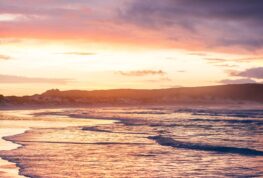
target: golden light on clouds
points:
(94, 43)
(10, 17)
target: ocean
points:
(139, 142)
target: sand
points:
(7, 169)
(17, 122)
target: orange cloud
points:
(256, 73)
(79, 53)
(140, 73)
(21, 79)
(4, 57)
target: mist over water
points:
(145, 142)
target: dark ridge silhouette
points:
(166, 141)
(186, 95)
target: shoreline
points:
(63, 132)
(19, 124)
(242, 106)
(9, 168)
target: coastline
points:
(18, 123)
(89, 143)
(9, 168)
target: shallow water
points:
(146, 142)
(8, 169)
(18, 122)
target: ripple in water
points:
(146, 142)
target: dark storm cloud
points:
(219, 23)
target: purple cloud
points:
(256, 73)
(237, 81)
(219, 23)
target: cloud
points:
(228, 23)
(181, 71)
(226, 65)
(197, 54)
(10, 17)
(4, 41)
(4, 57)
(19, 79)
(139, 73)
(256, 73)
(244, 59)
(215, 60)
(62, 19)
(79, 53)
(237, 81)
(188, 24)
(161, 79)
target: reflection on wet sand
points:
(8, 169)
(18, 122)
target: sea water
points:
(145, 142)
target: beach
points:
(9, 169)
(147, 142)
(17, 122)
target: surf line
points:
(9, 168)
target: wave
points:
(248, 113)
(95, 129)
(231, 121)
(84, 143)
(166, 141)
(145, 112)
(233, 113)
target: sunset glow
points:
(92, 45)
(131, 88)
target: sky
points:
(108, 44)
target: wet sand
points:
(14, 123)
(9, 169)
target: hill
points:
(186, 95)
